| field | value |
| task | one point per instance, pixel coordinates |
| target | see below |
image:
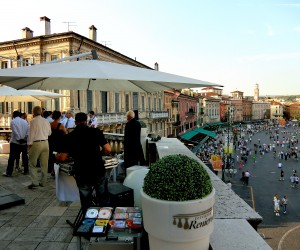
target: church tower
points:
(256, 93)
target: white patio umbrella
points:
(95, 75)
(8, 94)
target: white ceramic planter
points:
(173, 225)
(143, 140)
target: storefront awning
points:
(189, 135)
(213, 124)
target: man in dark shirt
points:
(83, 145)
(133, 151)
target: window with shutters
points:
(135, 101)
(89, 99)
(29, 107)
(143, 103)
(149, 104)
(104, 101)
(127, 103)
(117, 102)
(159, 104)
(56, 101)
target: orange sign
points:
(216, 162)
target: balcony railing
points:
(111, 118)
(158, 115)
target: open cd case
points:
(95, 221)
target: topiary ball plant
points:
(177, 178)
(143, 124)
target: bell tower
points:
(256, 92)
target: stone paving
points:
(41, 222)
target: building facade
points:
(110, 107)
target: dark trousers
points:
(15, 151)
(86, 189)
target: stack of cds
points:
(95, 220)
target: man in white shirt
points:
(93, 120)
(39, 130)
(63, 117)
(18, 143)
(69, 122)
(47, 116)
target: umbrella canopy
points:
(95, 75)
(8, 94)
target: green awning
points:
(187, 136)
(206, 132)
(213, 124)
(196, 131)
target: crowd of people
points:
(282, 143)
(56, 136)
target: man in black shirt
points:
(133, 151)
(83, 145)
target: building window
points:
(54, 57)
(159, 104)
(89, 98)
(127, 102)
(26, 62)
(104, 101)
(56, 101)
(143, 103)
(149, 104)
(29, 107)
(117, 102)
(4, 65)
(154, 104)
(135, 101)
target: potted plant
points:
(177, 204)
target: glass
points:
(111, 223)
(129, 223)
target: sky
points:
(234, 43)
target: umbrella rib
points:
(31, 83)
(139, 86)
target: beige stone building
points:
(110, 107)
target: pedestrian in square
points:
(247, 175)
(281, 175)
(276, 202)
(284, 201)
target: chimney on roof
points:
(93, 33)
(156, 67)
(46, 29)
(27, 33)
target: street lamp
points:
(230, 111)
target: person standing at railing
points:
(133, 151)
